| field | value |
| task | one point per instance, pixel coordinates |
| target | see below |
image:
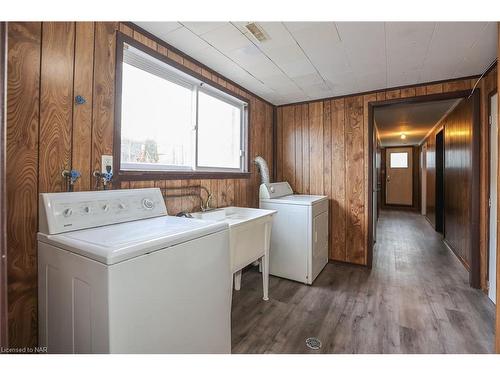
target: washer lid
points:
(299, 199)
(115, 243)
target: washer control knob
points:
(67, 212)
(105, 208)
(121, 206)
(87, 210)
(147, 203)
(272, 189)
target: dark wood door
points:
(440, 182)
(3, 247)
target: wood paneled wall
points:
(23, 120)
(458, 177)
(322, 148)
(48, 65)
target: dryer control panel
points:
(64, 212)
(275, 190)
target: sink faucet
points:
(205, 206)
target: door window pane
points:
(399, 160)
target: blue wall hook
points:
(80, 99)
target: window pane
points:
(156, 123)
(399, 160)
(219, 133)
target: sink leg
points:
(264, 262)
(237, 280)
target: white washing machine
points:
(299, 240)
(117, 275)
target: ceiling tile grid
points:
(311, 60)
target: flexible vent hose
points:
(263, 168)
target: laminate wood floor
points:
(416, 299)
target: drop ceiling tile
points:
(297, 68)
(294, 99)
(451, 41)
(226, 38)
(371, 81)
(246, 56)
(213, 59)
(437, 71)
(364, 44)
(482, 54)
(201, 28)
(317, 89)
(308, 79)
(185, 40)
(339, 90)
(159, 29)
(409, 34)
(275, 79)
(285, 53)
(402, 79)
(317, 35)
(264, 68)
(280, 83)
(297, 27)
(330, 60)
(407, 44)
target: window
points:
(399, 160)
(171, 121)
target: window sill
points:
(179, 175)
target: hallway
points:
(416, 299)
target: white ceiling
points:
(312, 60)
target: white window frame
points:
(179, 77)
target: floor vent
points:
(313, 343)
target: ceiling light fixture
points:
(403, 136)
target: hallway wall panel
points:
(458, 178)
(431, 177)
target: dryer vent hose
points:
(263, 168)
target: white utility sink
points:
(249, 238)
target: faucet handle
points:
(207, 205)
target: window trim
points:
(213, 89)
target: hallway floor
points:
(416, 299)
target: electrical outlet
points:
(105, 161)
